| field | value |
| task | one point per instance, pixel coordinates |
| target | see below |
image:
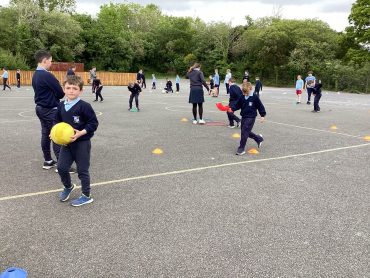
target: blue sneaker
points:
(83, 200)
(64, 195)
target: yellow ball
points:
(61, 133)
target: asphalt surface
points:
(299, 208)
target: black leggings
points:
(200, 105)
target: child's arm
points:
(237, 105)
(261, 109)
(91, 125)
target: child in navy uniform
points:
(135, 90)
(98, 87)
(257, 87)
(81, 116)
(168, 86)
(249, 104)
(317, 94)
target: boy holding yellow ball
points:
(81, 116)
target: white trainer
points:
(202, 122)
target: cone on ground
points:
(157, 151)
(236, 135)
(253, 151)
(184, 120)
(367, 138)
(333, 127)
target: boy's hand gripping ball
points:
(61, 133)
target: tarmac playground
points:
(297, 208)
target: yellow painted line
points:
(186, 171)
(320, 130)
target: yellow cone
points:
(184, 120)
(333, 127)
(367, 138)
(236, 135)
(253, 151)
(157, 151)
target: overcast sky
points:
(334, 12)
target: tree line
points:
(127, 37)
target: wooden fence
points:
(107, 78)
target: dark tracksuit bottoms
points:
(316, 106)
(246, 132)
(309, 92)
(98, 93)
(79, 152)
(5, 83)
(47, 117)
(177, 87)
(232, 117)
(227, 88)
(132, 96)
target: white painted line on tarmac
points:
(315, 129)
(6, 198)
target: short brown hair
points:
(41, 55)
(74, 80)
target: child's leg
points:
(246, 128)
(98, 93)
(82, 152)
(200, 105)
(195, 111)
(130, 100)
(137, 100)
(65, 161)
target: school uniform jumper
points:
(258, 87)
(135, 91)
(249, 106)
(98, 89)
(48, 93)
(235, 94)
(18, 77)
(5, 80)
(196, 86)
(80, 115)
(316, 101)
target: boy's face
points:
(72, 91)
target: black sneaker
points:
(308, 102)
(48, 165)
(237, 124)
(260, 142)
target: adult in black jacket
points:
(48, 93)
(196, 96)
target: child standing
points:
(257, 87)
(317, 94)
(81, 116)
(154, 82)
(18, 77)
(249, 104)
(177, 83)
(98, 88)
(299, 88)
(135, 90)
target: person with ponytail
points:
(196, 96)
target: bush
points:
(10, 61)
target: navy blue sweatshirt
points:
(47, 89)
(258, 86)
(135, 90)
(249, 107)
(80, 116)
(197, 79)
(235, 94)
